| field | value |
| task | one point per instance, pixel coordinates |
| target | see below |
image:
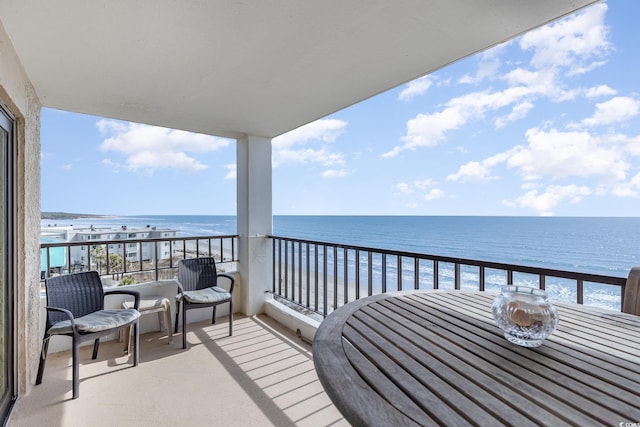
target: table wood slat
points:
(458, 385)
(530, 363)
(387, 390)
(442, 353)
(570, 344)
(510, 370)
(600, 373)
(420, 399)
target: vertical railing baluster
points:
(155, 259)
(308, 263)
(399, 269)
(456, 276)
(273, 264)
(357, 272)
(289, 270)
(384, 273)
(370, 273)
(335, 277)
(436, 280)
(300, 272)
(48, 267)
(510, 277)
(345, 261)
(68, 261)
(279, 266)
(416, 273)
(481, 284)
(325, 290)
(580, 291)
(542, 283)
(316, 296)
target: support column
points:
(255, 221)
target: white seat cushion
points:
(203, 296)
(97, 321)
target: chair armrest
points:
(135, 294)
(180, 288)
(231, 279)
(66, 312)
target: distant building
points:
(78, 255)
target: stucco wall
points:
(17, 92)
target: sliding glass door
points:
(7, 344)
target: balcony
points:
(262, 375)
(265, 370)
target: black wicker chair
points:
(198, 287)
(75, 308)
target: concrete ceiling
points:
(259, 67)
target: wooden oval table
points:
(438, 358)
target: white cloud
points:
(420, 187)
(566, 47)
(334, 173)
(598, 91)
(518, 112)
(67, 166)
(434, 194)
(572, 42)
(114, 166)
(415, 88)
(149, 147)
(403, 187)
(427, 130)
(544, 203)
(291, 146)
(628, 189)
(552, 155)
(231, 171)
(478, 171)
(618, 109)
(472, 171)
(488, 65)
(564, 154)
(423, 184)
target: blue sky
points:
(546, 124)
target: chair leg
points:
(96, 345)
(43, 358)
(127, 339)
(230, 318)
(75, 367)
(184, 326)
(167, 313)
(136, 343)
(175, 330)
(213, 316)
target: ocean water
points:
(607, 246)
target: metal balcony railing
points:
(319, 276)
(137, 260)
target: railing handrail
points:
(137, 240)
(177, 244)
(301, 273)
(564, 274)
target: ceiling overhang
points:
(258, 67)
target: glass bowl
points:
(525, 315)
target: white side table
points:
(152, 304)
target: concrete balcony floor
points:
(262, 376)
